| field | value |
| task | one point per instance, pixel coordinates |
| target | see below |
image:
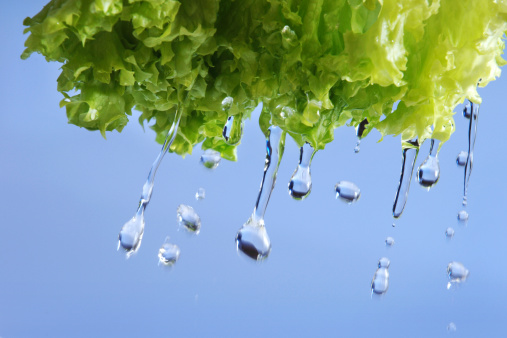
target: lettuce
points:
(314, 64)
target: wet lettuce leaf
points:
(314, 64)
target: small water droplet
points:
(210, 158)
(168, 253)
(467, 111)
(457, 272)
(463, 216)
(449, 232)
(384, 263)
(451, 327)
(428, 172)
(253, 240)
(227, 103)
(188, 218)
(461, 159)
(380, 281)
(347, 191)
(389, 241)
(200, 194)
(233, 130)
(394, 225)
(131, 234)
(300, 184)
(358, 146)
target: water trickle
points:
(457, 273)
(463, 216)
(131, 234)
(168, 253)
(210, 158)
(300, 184)
(473, 108)
(347, 191)
(188, 218)
(461, 159)
(200, 194)
(359, 133)
(428, 172)
(409, 156)
(449, 233)
(389, 241)
(252, 239)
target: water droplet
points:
(472, 135)
(394, 225)
(451, 327)
(359, 133)
(300, 184)
(131, 234)
(384, 263)
(380, 281)
(457, 272)
(389, 241)
(200, 194)
(210, 158)
(252, 239)
(357, 148)
(409, 156)
(233, 129)
(188, 218)
(449, 232)
(428, 172)
(467, 110)
(463, 216)
(461, 159)
(227, 103)
(168, 253)
(347, 191)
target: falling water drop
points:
(384, 263)
(131, 233)
(457, 273)
(380, 281)
(451, 327)
(449, 233)
(463, 216)
(188, 218)
(428, 172)
(233, 129)
(347, 191)
(409, 156)
(252, 239)
(473, 109)
(461, 159)
(359, 133)
(300, 184)
(210, 158)
(168, 253)
(200, 194)
(389, 241)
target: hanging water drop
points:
(200, 194)
(233, 129)
(211, 158)
(168, 253)
(449, 233)
(347, 191)
(463, 216)
(389, 241)
(359, 133)
(252, 239)
(461, 159)
(131, 233)
(428, 172)
(300, 184)
(227, 103)
(188, 218)
(472, 134)
(409, 156)
(457, 273)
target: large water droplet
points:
(461, 159)
(168, 253)
(188, 218)
(233, 130)
(389, 241)
(210, 158)
(253, 240)
(457, 273)
(131, 234)
(428, 172)
(300, 184)
(347, 191)
(380, 281)
(463, 216)
(409, 156)
(472, 135)
(449, 232)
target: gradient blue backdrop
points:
(66, 192)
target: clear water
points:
(168, 253)
(384, 263)
(188, 218)
(461, 159)
(470, 108)
(451, 327)
(359, 133)
(389, 241)
(300, 184)
(457, 272)
(131, 234)
(347, 191)
(463, 216)
(210, 158)
(428, 172)
(380, 281)
(252, 239)
(200, 194)
(410, 150)
(233, 130)
(449, 232)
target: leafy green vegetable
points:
(315, 64)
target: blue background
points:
(66, 192)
